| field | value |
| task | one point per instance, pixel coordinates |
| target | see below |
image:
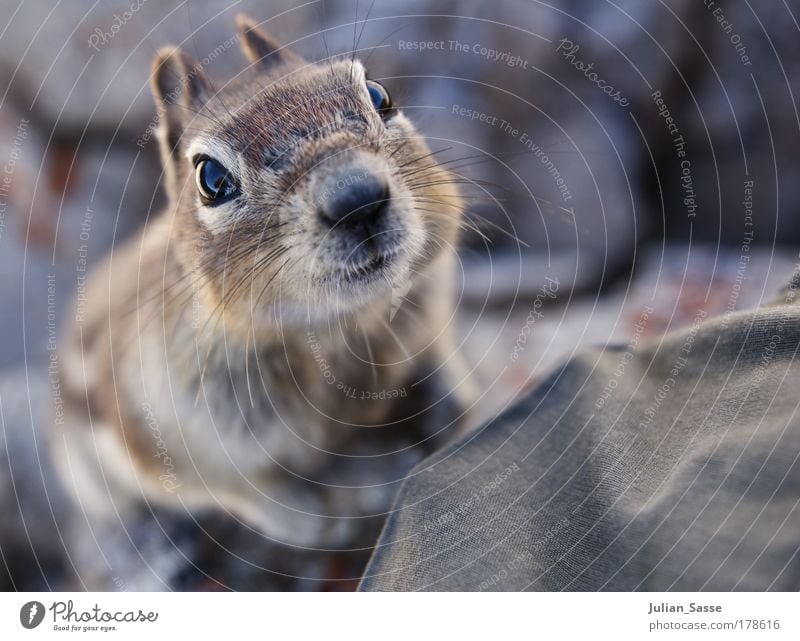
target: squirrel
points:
(277, 343)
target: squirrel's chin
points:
(340, 291)
(381, 280)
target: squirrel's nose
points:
(354, 200)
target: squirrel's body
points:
(264, 347)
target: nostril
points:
(357, 203)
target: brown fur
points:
(196, 378)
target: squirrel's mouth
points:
(375, 267)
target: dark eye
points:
(381, 99)
(214, 182)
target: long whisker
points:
(433, 200)
(370, 356)
(363, 26)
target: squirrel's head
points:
(297, 188)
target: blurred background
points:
(624, 155)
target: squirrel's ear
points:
(261, 48)
(180, 88)
(177, 77)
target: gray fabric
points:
(684, 476)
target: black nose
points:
(356, 200)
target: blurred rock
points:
(33, 552)
(512, 348)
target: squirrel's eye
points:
(214, 182)
(380, 97)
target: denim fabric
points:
(672, 466)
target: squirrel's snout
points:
(355, 198)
